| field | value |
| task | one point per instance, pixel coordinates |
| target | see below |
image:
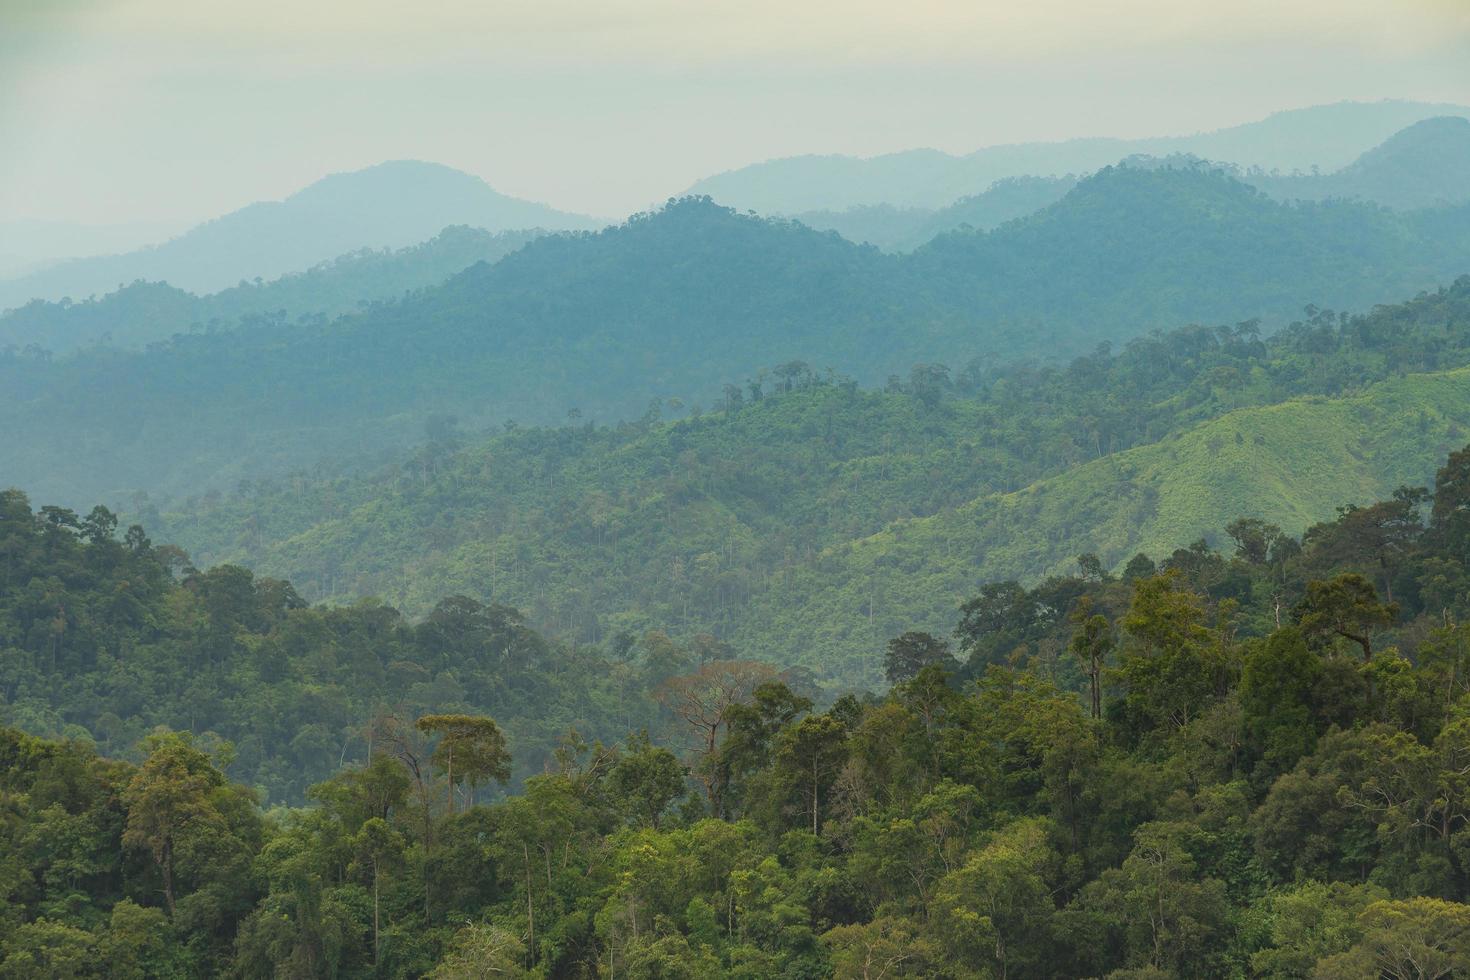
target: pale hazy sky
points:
(126, 110)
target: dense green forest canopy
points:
(810, 518)
(147, 312)
(673, 304)
(1212, 765)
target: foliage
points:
(1253, 799)
(768, 523)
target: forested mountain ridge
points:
(1214, 765)
(1424, 165)
(147, 312)
(768, 522)
(391, 205)
(903, 229)
(1327, 137)
(675, 303)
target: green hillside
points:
(815, 521)
(1290, 464)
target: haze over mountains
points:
(1326, 137)
(677, 303)
(145, 312)
(1051, 561)
(819, 519)
(340, 217)
(391, 205)
(1424, 165)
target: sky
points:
(173, 111)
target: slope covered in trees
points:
(1215, 765)
(676, 303)
(146, 312)
(1425, 165)
(770, 521)
(391, 205)
(103, 633)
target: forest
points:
(811, 517)
(1213, 763)
(1051, 561)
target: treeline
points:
(105, 636)
(1212, 766)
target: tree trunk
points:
(376, 932)
(166, 865)
(530, 906)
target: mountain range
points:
(811, 520)
(1424, 165)
(1326, 137)
(677, 303)
(142, 312)
(391, 205)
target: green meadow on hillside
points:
(1291, 464)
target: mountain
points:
(1327, 137)
(146, 312)
(678, 303)
(391, 205)
(1425, 165)
(28, 246)
(903, 229)
(815, 522)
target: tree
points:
(995, 908)
(1310, 922)
(646, 779)
(171, 796)
(888, 948)
(378, 845)
(1255, 539)
(1091, 567)
(47, 948)
(810, 754)
(1381, 534)
(474, 743)
(703, 700)
(912, 652)
(1409, 939)
(1277, 685)
(1091, 644)
(1173, 663)
(1449, 517)
(480, 951)
(1347, 607)
(1169, 913)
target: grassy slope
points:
(784, 532)
(1293, 464)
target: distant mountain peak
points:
(393, 204)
